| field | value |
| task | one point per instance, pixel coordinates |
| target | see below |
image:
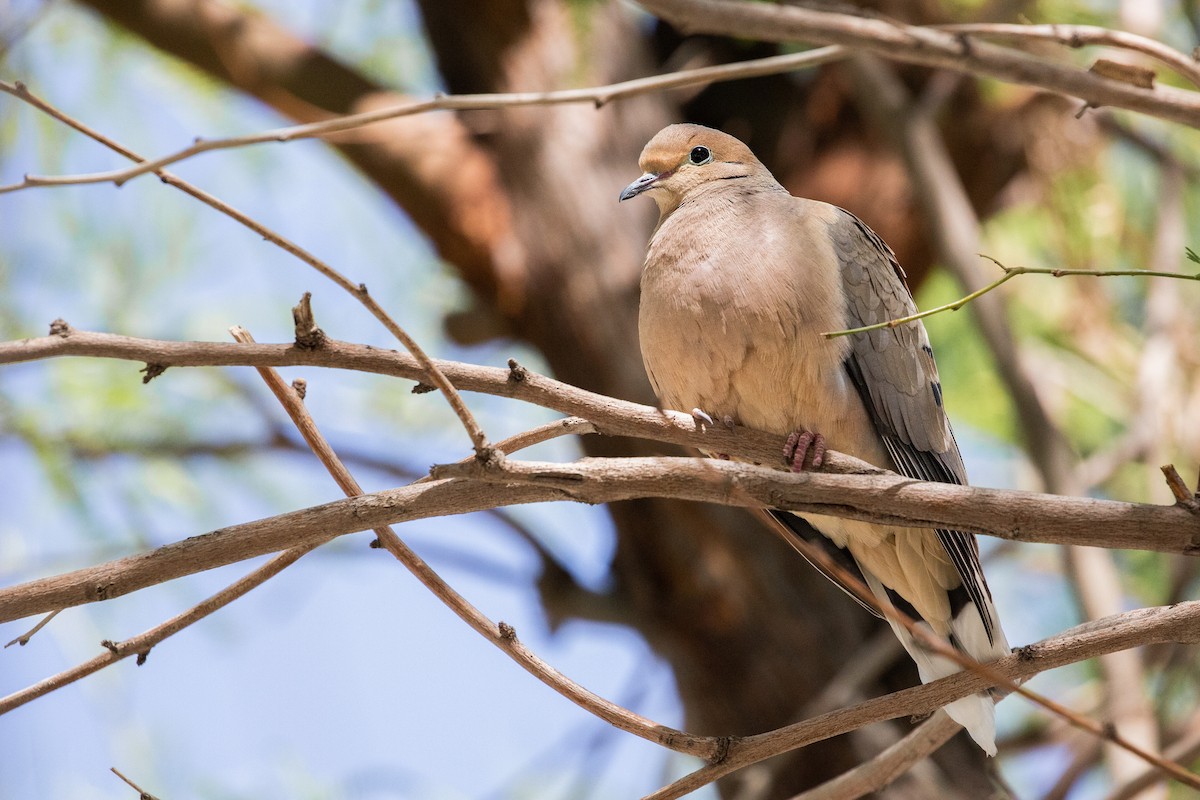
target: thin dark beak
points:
(640, 185)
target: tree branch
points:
(1178, 623)
(597, 96)
(916, 45)
(1009, 273)
(880, 771)
(1077, 36)
(886, 498)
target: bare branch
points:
(916, 45)
(890, 764)
(598, 96)
(1012, 272)
(142, 643)
(1083, 35)
(24, 638)
(142, 793)
(1185, 751)
(1131, 629)
(886, 498)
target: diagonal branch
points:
(359, 291)
(1131, 629)
(887, 766)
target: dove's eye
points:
(700, 155)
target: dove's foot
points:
(799, 445)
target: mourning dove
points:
(740, 280)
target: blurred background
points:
(496, 234)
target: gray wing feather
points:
(894, 371)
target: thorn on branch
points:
(507, 632)
(308, 335)
(142, 656)
(516, 373)
(375, 544)
(60, 327)
(152, 371)
(110, 646)
(423, 388)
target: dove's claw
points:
(798, 446)
(701, 418)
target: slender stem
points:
(24, 638)
(598, 96)
(1012, 272)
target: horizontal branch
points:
(313, 525)
(885, 498)
(611, 416)
(930, 47)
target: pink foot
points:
(798, 446)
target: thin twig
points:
(1012, 272)
(1185, 750)
(141, 644)
(142, 793)
(890, 764)
(914, 44)
(1077, 36)
(598, 96)
(929, 697)
(358, 291)
(24, 638)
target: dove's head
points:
(683, 159)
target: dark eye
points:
(700, 155)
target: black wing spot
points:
(937, 392)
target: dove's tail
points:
(977, 712)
